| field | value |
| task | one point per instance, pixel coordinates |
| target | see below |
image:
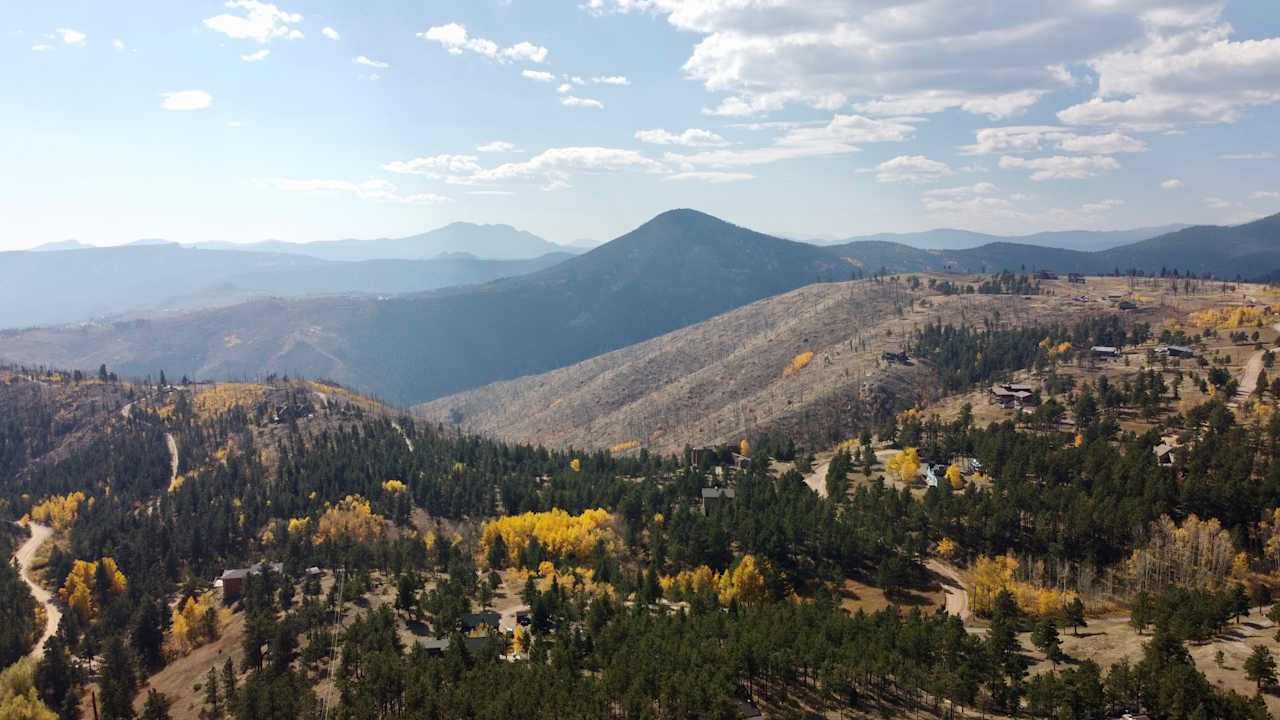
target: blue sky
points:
(311, 120)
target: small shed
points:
(1104, 351)
(714, 498)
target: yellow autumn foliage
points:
(798, 363)
(176, 483)
(80, 590)
(905, 464)
(394, 486)
(191, 625)
(299, 526)
(954, 476)
(351, 519)
(991, 576)
(946, 548)
(575, 465)
(559, 533)
(744, 447)
(1231, 318)
(624, 446)
(744, 583)
(219, 399)
(60, 511)
(570, 578)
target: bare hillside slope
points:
(727, 377)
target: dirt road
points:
(1249, 380)
(173, 456)
(25, 555)
(952, 587)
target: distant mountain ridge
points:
(679, 268)
(953, 239)
(491, 242)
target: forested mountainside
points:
(784, 575)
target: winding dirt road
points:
(25, 555)
(1249, 380)
(173, 456)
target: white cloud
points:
(72, 37)
(1060, 167)
(553, 168)
(362, 60)
(538, 75)
(1171, 184)
(118, 44)
(1265, 195)
(1249, 156)
(1101, 207)
(994, 59)
(611, 80)
(1218, 203)
(911, 168)
(497, 146)
(41, 47)
(259, 21)
(837, 137)
(693, 137)
(1034, 138)
(1190, 72)
(368, 190)
(454, 38)
(436, 166)
(713, 177)
(564, 88)
(982, 188)
(256, 56)
(579, 102)
(331, 33)
(186, 100)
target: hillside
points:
(64, 286)
(677, 269)
(493, 242)
(726, 378)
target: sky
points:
(312, 120)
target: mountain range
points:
(952, 239)
(493, 242)
(679, 268)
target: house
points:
(435, 646)
(232, 580)
(714, 498)
(1164, 453)
(933, 474)
(471, 621)
(703, 457)
(1176, 351)
(1075, 278)
(1046, 275)
(1104, 351)
(741, 462)
(1127, 305)
(1010, 395)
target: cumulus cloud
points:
(455, 39)
(552, 169)
(497, 146)
(994, 59)
(538, 76)
(1060, 167)
(380, 190)
(186, 100)
(912, 169)
(255, 56)
(331, 33)
(611, 80)
(1171, 184)
(693, 137)
(714, 177)
(1035, 138)
(1265, 195)
(581, 102)
(258, 21)
(1186, 72)
(118, 44)
(982, 188)
(367, 62)
(838, 137)
(72, 37)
